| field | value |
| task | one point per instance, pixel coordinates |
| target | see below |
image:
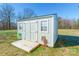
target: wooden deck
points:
(26, 45)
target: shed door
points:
(27, 31)
(23, 31)
(34, 31)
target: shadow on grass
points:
(65, 41)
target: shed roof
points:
(38, 17)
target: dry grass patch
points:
(66, 45)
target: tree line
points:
(8, 16)
(67, 23)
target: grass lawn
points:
(67, 44)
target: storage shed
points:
(39, 29)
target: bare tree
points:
(26, 13)
(60, 22)
(6, 15)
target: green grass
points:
(67, 44)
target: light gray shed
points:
(36, 29)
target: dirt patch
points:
(77, 33)
(65, 51)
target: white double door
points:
(30, 30)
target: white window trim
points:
(45, 25)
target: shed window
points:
(20, 26)
(44, 25)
